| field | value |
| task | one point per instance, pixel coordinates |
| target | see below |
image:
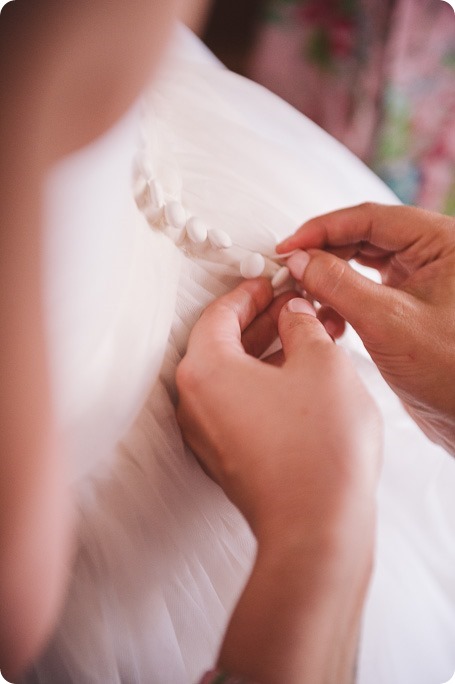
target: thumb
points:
(369, 307)
(298, 327)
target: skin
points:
(296, 446)
(407, 324)
(195, 15)
(62, 86)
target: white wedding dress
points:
(162, 554)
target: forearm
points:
(35, 520)
(35, 504)
(36, 538)
(298, 619)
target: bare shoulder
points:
(79, 65)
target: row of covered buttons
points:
(172, 217)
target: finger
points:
(334, 324)
(260, 334)
(392, 228)
(275, 359)
(221, 325)
(298, 327)
(369, 307)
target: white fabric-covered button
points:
(196, 230)
(139, 187)
(177, 235)
(156, 194)
(154, 215)
(252, 266)
(175, 215)
(219, 239)
(281, 276)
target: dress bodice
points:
(109, 295)
(162, 554)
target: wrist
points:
(338, 540)
(325, 565)
(299, 616)
(329, 579)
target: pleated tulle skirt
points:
(162, 555)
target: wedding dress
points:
(162, 555)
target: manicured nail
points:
(297, 264)
(299, 305)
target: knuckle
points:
(297, 322)
(221, 311)
(188, 377)
(304, 325)
(209, 310)
(368, 207)
(311, 336)
(330, 274)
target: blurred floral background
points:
(379, 75)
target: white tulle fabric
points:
(162, 554)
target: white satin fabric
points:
(162, 555)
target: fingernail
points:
(299, 305)
(297, 264)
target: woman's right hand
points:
(407, 324)
(296, 445)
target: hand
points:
(296, 447)
(407, 324)
(293, 442)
